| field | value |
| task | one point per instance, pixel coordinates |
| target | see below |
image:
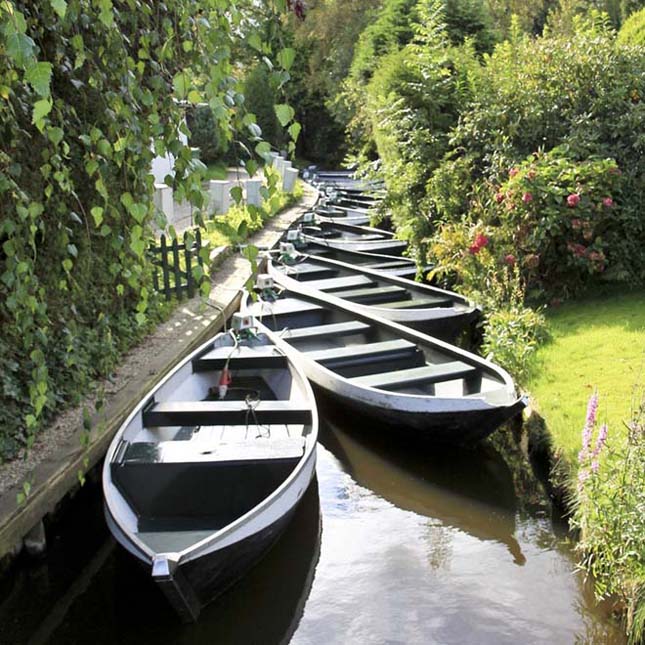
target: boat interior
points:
(180, 460)
(354, 286)
(369, 353)
(339, 231)
(391, 264)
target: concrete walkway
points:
(58, 459)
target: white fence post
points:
(220, 191)
(163, 200)
(253, 196)
(289, 181)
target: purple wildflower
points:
(592, 409)
(600, 440)
(594, 466)
(583, 475)
(587, 431)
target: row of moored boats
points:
(208, 469)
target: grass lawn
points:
(597, 343)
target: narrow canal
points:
(392, 544)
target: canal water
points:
(392, 544)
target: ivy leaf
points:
(255, 41)
(59, 6)
(180, 85)
(39, 75)
(55, 135)
(19, 47)
(97, 214)
(262, 149)
(41, 109)
(236, 194)
(286, 58)
(294, 130)
(251, 167)
(284, 113)
(106, 16)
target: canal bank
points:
(65, 451)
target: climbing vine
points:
(90, 92)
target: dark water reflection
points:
(417, 546)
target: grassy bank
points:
(588, 385)
(596, 344)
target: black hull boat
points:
(353, 238)
(236, 417)
(391, 374)
(388, 264)
(434, 311)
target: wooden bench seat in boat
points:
(333, 329)
(419, 303)
(354, 355)
(261, 357)
(197, 413)
(374, 295)
(308, 271)
(424, 374)
(345, 282)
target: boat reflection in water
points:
(471, 490)
(265, 606)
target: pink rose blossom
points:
(608, 202)
(499, 197)
(527, 198)
(512, 172)
(573, 200)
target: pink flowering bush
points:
(610, 513)
(553, 215)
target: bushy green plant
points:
(467, 255)
(633, 30)
(610, 513)
(206, 135)
(561, 220)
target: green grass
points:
(596, 343)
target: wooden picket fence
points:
(174, 262)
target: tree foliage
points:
(90, 91)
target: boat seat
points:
(419, 303)
(211, 413)
(309, 271)
(354, 355)
(424, 374)
(283, 306)
(260, 357)
(374, 295)
(344, 282)
(320, 331)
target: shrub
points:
(610, 513)
(206, 135)
(633, 30)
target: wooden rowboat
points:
(389, 264)
(198, 487)
(391, 374)
(354, 238)
(429, 309)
